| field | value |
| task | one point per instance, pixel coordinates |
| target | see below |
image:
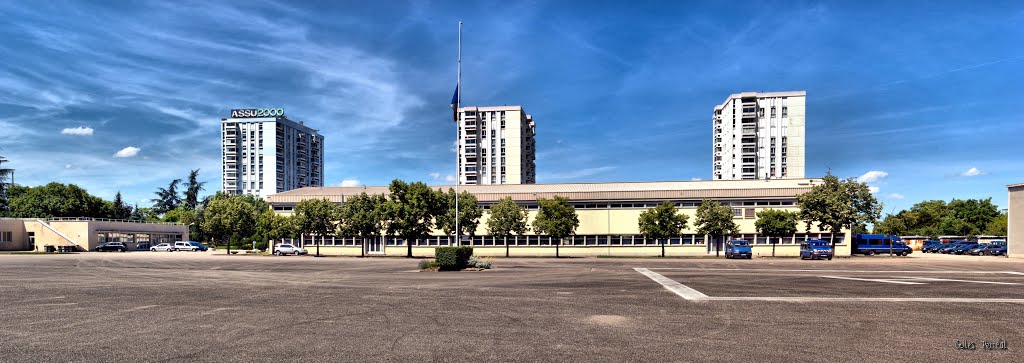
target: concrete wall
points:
(19, 236)
(570, 251)
(82, 234)
(1015, 232)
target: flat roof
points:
(492, 108)
(282, 119)
(1015, 185)
(761, 95)
(663, 190)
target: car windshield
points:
(739, 243)
(819, 244)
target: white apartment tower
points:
(759, 135)
(263, 153)
(496, 146)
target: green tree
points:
(469, 213)
(167, 198)
(977, 213)
(715, 219)
(505, 219)
(120, 210)
(229, 218)
(318, 217)
(998, 225)
(182, 214)
(362, 216)
(662, 222)
(137, 214)
(5, 175)
(556, 218)
(192, 188)
(272, 226)
(410, 210)
(837, 204)
(952, 225)
(57, 200)
(775, 224)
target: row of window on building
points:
(738, 212)
(578, 240)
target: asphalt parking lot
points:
(189, 307)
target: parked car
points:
(289, 249)
(184, 246)
(738, 248)
(964, 248)
(999, 250)
(950, 246)
(930, 245)
(162, 247)
(815, 249)
(112, 246)
(986, 249)
(199, 246)
(872, 244)
(934, 248)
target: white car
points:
(289, 249)
(162, 247)
(184, 246)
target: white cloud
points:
(350, 183)
(972, 172)
(78, 131)
(127, 152)
(873, 189)
(872, 176)
(449, 178)
(435, 175)
(67, 166)
(896, 196)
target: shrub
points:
(479, 263)
(427, 264)
(452, 258)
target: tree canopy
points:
(776, 223)
(836, 204)
(556, 218)
(934, 218)
(507, 218)
(469, 213)
(410, 211)
(56, 200)
(192, 188)
(663, 221)
(715, 219)
(229, 216)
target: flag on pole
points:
(455, 104)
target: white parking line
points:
(890, 281)
(841, 271)
(954, 280)
(682, 290)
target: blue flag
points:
(455, 104)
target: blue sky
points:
(126, 96)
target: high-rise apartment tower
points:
(759, 135)
(263, 153)
(496, 146)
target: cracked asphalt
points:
(202, 307)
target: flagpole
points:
(458, 137)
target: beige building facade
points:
(1015, 214)
(496, 145)
(759, 135)
(608, 215)
(84, 234)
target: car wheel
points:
(153, 249)
(981, 253)
(830, 258)
(871, 253)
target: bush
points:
(452, 258)
(427, 264)
(479, 263)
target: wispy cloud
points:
(896, 196)
(127, 152)
(350, 183)
(78, 131)
(973, 171)
(872, 176)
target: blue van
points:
(815, 249)
(738, 248)
(873, 244)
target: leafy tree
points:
(183, 214)
(271, 227)
(362, 216)
(506, 218)
(836, 204)
(957, 227)
(998, 225)
(410, 210)
(662, 222)
(896, 225)
(978, 213)
(192, 188)
(317, 217)
(775, 224)
(120, 210)
(57, 200)
(137, 214)
(5, 175)
(229, 217)
(556, 218)
(715, 219)
(167, 198)
(469, 213)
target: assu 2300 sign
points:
(257, 112)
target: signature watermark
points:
(984, 345)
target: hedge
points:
(452, 258)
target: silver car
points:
(289, 249)
(162, 247)
(184, 246)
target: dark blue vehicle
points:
(930, 246)
(738, 248)
(873, 244)
(964, 248)
(999, 251)
(987, 249)
(199, 246)
(949, 247)
(815, 249)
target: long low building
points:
(84, 234)
(608, 215)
